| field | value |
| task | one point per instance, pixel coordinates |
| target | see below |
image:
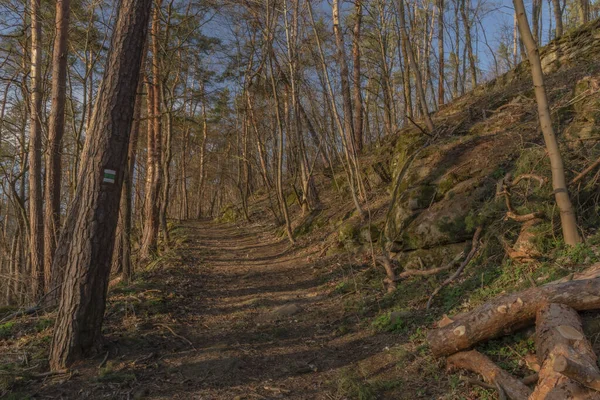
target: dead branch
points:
(176, 335)
(540, 179)
(474, 247)
(523, 218)
(432, 271)
(504, 187)
(476, 362)
(586, 171)
(390, 279)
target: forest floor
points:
(233, 313)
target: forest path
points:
(237, 314)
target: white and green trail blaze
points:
(109, 176)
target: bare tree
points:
(567, 214)
(358, 103)
(36, 219)
(413, 64)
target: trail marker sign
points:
(109, 176)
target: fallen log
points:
(560, 337)
(508, 313)
(476, 362)
(583, 374)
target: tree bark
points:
(341, 59)
(86, 243)
(559, 334)
(468, 42)
(507, 313)
(56, 131)
(122, 252)
(441, 72)
(567, 213)
(36, 217)
(358, 103)
(153, 176)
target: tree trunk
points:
(153, 177)
(341, 59)
(86, 243)
(279, 180)
(202, 151)
(558, 17)
(413, 65)
(559, 336)
(583, 7)
(36, 216)
(536, 9)
(441, 71)
(469, 43)
(358, 103)
(505, 314)
(56, 131)
(567, 213)
(122, 253)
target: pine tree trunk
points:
(149, 245)
(86, 243)
(567, 213)
(122, 253)
(56, 131)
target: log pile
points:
(568, 366)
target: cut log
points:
(581, 373)
(508, 313)
(476, 362)
(561, 344)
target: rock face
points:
(450, 187)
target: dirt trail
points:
(238, 314)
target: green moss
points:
(388, 323)
(425, 195)
(446, 183)
(43, 323)
(6, 330)
(348, 232)
(229, 213)
(456, 227)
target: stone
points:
(286, 310)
